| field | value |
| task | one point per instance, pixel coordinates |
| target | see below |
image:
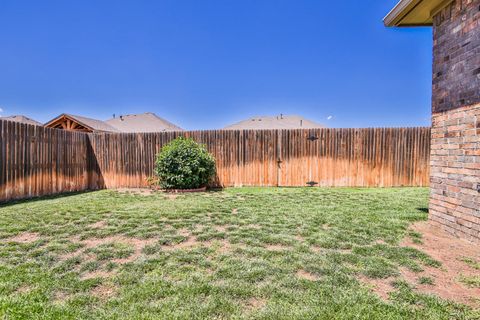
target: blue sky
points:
(205, 64)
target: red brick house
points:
(455, 157)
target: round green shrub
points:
(184, 164)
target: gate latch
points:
(312, 138)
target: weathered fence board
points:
(39, 161)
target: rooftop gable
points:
(79, 123)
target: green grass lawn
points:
(239, 253)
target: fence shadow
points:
(42, 198)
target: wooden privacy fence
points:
(36, 161)
(39, 161)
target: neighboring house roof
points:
(145, 122)
(88, 123)
(22, 119)
(414, 12)
(275, 122)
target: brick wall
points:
(456, 51)
(455, 158)
(455, 172)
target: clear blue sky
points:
(207, 63)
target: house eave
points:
(408, 13)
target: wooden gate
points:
(353, 157)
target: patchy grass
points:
(426, 280)
(472, 281)
(473, 263)
(296, 253)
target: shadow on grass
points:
(41, 198)
(423, 209)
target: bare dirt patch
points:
(171, 196)
(137, 244)
(137, 191)
(104, 291)
(316, 249)
(255, 304)
(97, 274)
(449, 251)
(299, 238)
(184, 232)
(234, 211)
(60, 297)
(221, 228)
(190, 242)
(25, 237)
(98, 225)
(23, 289)
(302, 274)
(225, 247)
(276, 247)
(70, 255)
(222, 246)
(382, 287)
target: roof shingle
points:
(96, 125)
(22, 119)
(145, 122)
(275, 122)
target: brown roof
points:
(22, 119)
(93, 124)
(275, 122)
(145, 122)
